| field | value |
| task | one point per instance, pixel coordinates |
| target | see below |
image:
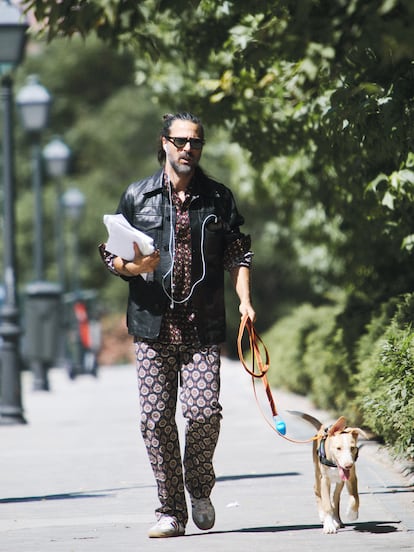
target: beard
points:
(184, 169)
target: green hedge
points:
(286, 342)
(385, 381)
(308, 355)
(352, 359)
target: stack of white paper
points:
(121, 238)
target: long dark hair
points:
(165, 131)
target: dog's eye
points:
(338, 448)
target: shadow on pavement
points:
(63, 496)
(71, 495)
(391, 489)
(254, 476)
(374, 527)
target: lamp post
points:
(12, 41)
(34, 101)
(56, 155)
(42, 300)
(73, 202)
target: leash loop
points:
(259, 369)
(254, 340)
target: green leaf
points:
(408, 243)
(388, 200)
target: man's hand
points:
(247, 309)
(140, 264)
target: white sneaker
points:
(203, 512)
(167, 526)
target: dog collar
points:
(322, 455)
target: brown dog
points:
(335, 452)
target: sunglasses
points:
(195, 143)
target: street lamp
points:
(12, 41)
(56, 155)
(13, 29)
(73, 201)
(34, 102)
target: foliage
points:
(309, 355)
(286, 342)
(326, 359)
(113, 21)
(317, 84)
(374, 330)
(369, 379)
(385, 382)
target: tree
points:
(326, 80)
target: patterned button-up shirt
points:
(179, 324)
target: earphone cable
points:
(171, 246)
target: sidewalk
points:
(76, 478)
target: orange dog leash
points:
(258, 370)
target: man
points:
(177, 315)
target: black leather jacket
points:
(145, 204)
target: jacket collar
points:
(201, 184)
(155, 184)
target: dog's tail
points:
(308, 418)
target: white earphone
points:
(171, 248)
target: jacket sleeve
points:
(238, 245)
(107, 259)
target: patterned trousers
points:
(162, 369)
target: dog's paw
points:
(330, 525)
(352, 510)
(351, 514)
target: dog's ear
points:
(357, 431)
(337, 427)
